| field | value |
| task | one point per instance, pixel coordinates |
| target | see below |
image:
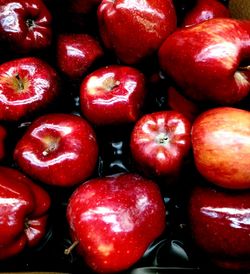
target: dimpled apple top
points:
(205, 60)
(26, 85)
(135, 29)
(115, 219)
(25, 24)
(58, 149)
(221, 146)
(23, 212)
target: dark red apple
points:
(113, 95)
(76, 53)
(23, 212)
(160, 141)
(221, 146)
(114, 219)
(25, 25)
(26, 85)
(206, 60)
(3, 134)
(58, 149)
(220, 226)
(135, 29)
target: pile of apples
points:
(116, 105)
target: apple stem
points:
(68, 250)
(20, 84)
(30, 23)
(245, 68)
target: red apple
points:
(205, 10)
(58, 149)
(113, 95)
(26, 85)
(160, 141)
(3, 134)
(76, 53)
(114, 219)
(205, 60)
(221, 146)
(135, 29)
(220, 226)
(23, 212)
(25, 24)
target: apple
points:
(206, 60)
(114, 219)
(25, 25)
(113, 95)
(3, 134)
(76, 53)
(205, 10)
(26, 85)
(23, 212)
(160, 141)
(135, 29)
(219, 223)
(221, 146)
(58, 149)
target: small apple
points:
(160, 141)
(221, 146)
(26, 85)
(23, 212)
(220, 226)
(206, 60)
(113, 95)
(58, 149)
(114, 219)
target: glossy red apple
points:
(205, 10)
(26, 85)
(3, 134)
(23, 212)
(83, 6)
(206, 60)
(221, 146)
(160, 141)
(220, 226)
(135, 29)
(58, 149)
(76, 53)
(114, 219)
(113, 95)
(25, 25)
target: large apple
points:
(221, 146)
(114, 219)
(135, 29)
(58, 149)
(26, 85)
(207, 60)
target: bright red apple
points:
(221, 146)
(3, 134)
(160, 141)
(25, 25)
(26, 85)
(23, 212)
(114, 219)
(58, 149)
(207, 60)
(113, 95)
(220, 226)
(135, 29)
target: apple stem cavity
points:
(162, 139)
(110, 83)
(244, 68)
(30, 23)
(52, 145)
(20, 84)
(68, 250)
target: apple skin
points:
(76, 53)
(56, 145)
(25, 25)
(3, 134)
(213, 51)
(113, 95)
(135, 29)
(26, 85)
(115, 219)
(219, 223)
(23, 212)
(205, 10)
(221, 146)
(159, 142)
(83, 6)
